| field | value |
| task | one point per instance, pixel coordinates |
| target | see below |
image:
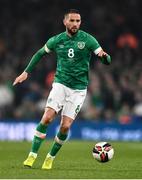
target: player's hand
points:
(104, 57)
(102, 54)
(21, 78)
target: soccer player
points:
(73, 49)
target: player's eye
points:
(72, 20)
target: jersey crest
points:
(81, 44)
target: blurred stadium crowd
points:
(114, 92)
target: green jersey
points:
(73, 57)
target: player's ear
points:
(64, 22)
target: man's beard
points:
(70, 31)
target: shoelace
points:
(30, 158)
(48, 160)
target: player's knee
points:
(64, 128)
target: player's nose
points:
(75, 23)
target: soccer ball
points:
(103, 151)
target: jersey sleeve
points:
(94, 45)
(35, 59)
(50, 44)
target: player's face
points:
(72, 22)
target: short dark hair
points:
(71, 11)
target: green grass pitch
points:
(74, 161)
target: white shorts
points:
(66, 99)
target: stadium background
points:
(113, 106)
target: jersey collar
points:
(71, 37)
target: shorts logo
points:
(77, 109)
(81, 44)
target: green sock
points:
(39, 137)
(57, 145)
